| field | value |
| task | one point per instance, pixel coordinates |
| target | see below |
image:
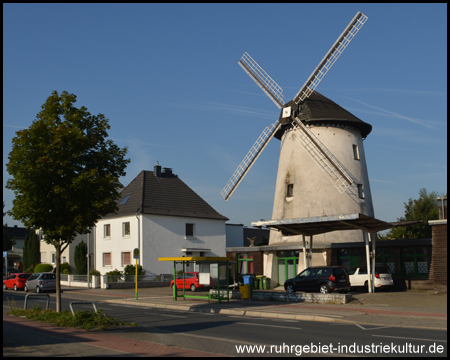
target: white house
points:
(162, 217)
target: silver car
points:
(41, 282)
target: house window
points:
(126, 229)
(125, 199)
(53, 258)
(107, 231)
(106, 259)
(361, 191)
(290, 190)
(355, 152)
(415, 262)
(126, 258)
(189, 230)
(64, 259)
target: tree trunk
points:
(58, 277)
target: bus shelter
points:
(204, 277)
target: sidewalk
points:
(46, 340)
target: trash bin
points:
(267, 283)
(261, 283)
(244, 291)
(256, 283)
(248, 280)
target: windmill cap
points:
(318, 109)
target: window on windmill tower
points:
(355, 152)
(290, 190)
(360, 191)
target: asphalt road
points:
(247, 336)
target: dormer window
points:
(125, 199)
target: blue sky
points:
(168, 80)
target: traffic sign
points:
(136, 253)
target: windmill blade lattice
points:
(262, 79)
(322, 156)
(249, 160)
(330, 58)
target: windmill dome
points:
(318, 110)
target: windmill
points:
(312, 129)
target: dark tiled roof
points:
(18, 232)
(318, 109)
(163, 195)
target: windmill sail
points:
(330, 58)
(262, 79)
(249, 160)
(340, 178)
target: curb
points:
(264, 314)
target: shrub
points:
(43, 268)
(65, 268)
(95, 272)
(30, 270)
(131, 270)
(113, 275)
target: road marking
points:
(407, 338)
(283, 320)
(379, 327)
(276, 326)
(176, 316)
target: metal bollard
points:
(81, 302)
(26, 300)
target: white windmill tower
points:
(320, 142)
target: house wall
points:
(116, 243)
(165, 236)
(160, 236)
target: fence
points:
(115, 282)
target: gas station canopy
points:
(323, 224)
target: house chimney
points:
(167, 171)
(157, 169)
(442, 204)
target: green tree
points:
(423, 209)
(65, 173)
(31, 250)
(80, 258)
(8, 241)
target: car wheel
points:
(193, 288)
(38, 290)
(4, 287)
(25, 288)
(15, 287)
(290, 288)
(324, 289)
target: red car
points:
(15, 281)
(190, 281)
